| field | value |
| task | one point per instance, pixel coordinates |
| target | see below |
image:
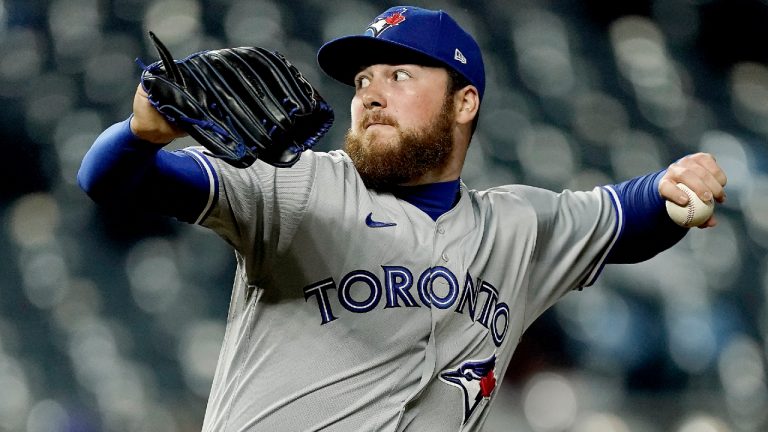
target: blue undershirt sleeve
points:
(647, 229)
(123, 170)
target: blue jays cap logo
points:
(385, 22)
(476, 380)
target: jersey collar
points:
(434, 199)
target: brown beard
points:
(409, 156)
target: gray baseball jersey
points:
(352, 310)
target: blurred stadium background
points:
(112, 322)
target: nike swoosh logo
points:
(376, 224)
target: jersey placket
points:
(439, 258)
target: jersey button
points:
(441, 229)
(444, 256)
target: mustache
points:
(377, 117)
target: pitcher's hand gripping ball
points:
(241, 104)
(695, 213)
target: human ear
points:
(467, 104)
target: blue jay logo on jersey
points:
(476, 380)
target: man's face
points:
(402, 123)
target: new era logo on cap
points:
(457, 55)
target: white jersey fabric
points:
(352, 310)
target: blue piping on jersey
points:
(643, 227)
(618, 229)
(213, 183)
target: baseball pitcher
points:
(375, 291)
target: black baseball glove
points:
(241, 104)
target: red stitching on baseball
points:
(689, 217)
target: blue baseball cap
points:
(405, 34)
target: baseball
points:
(695, 213)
